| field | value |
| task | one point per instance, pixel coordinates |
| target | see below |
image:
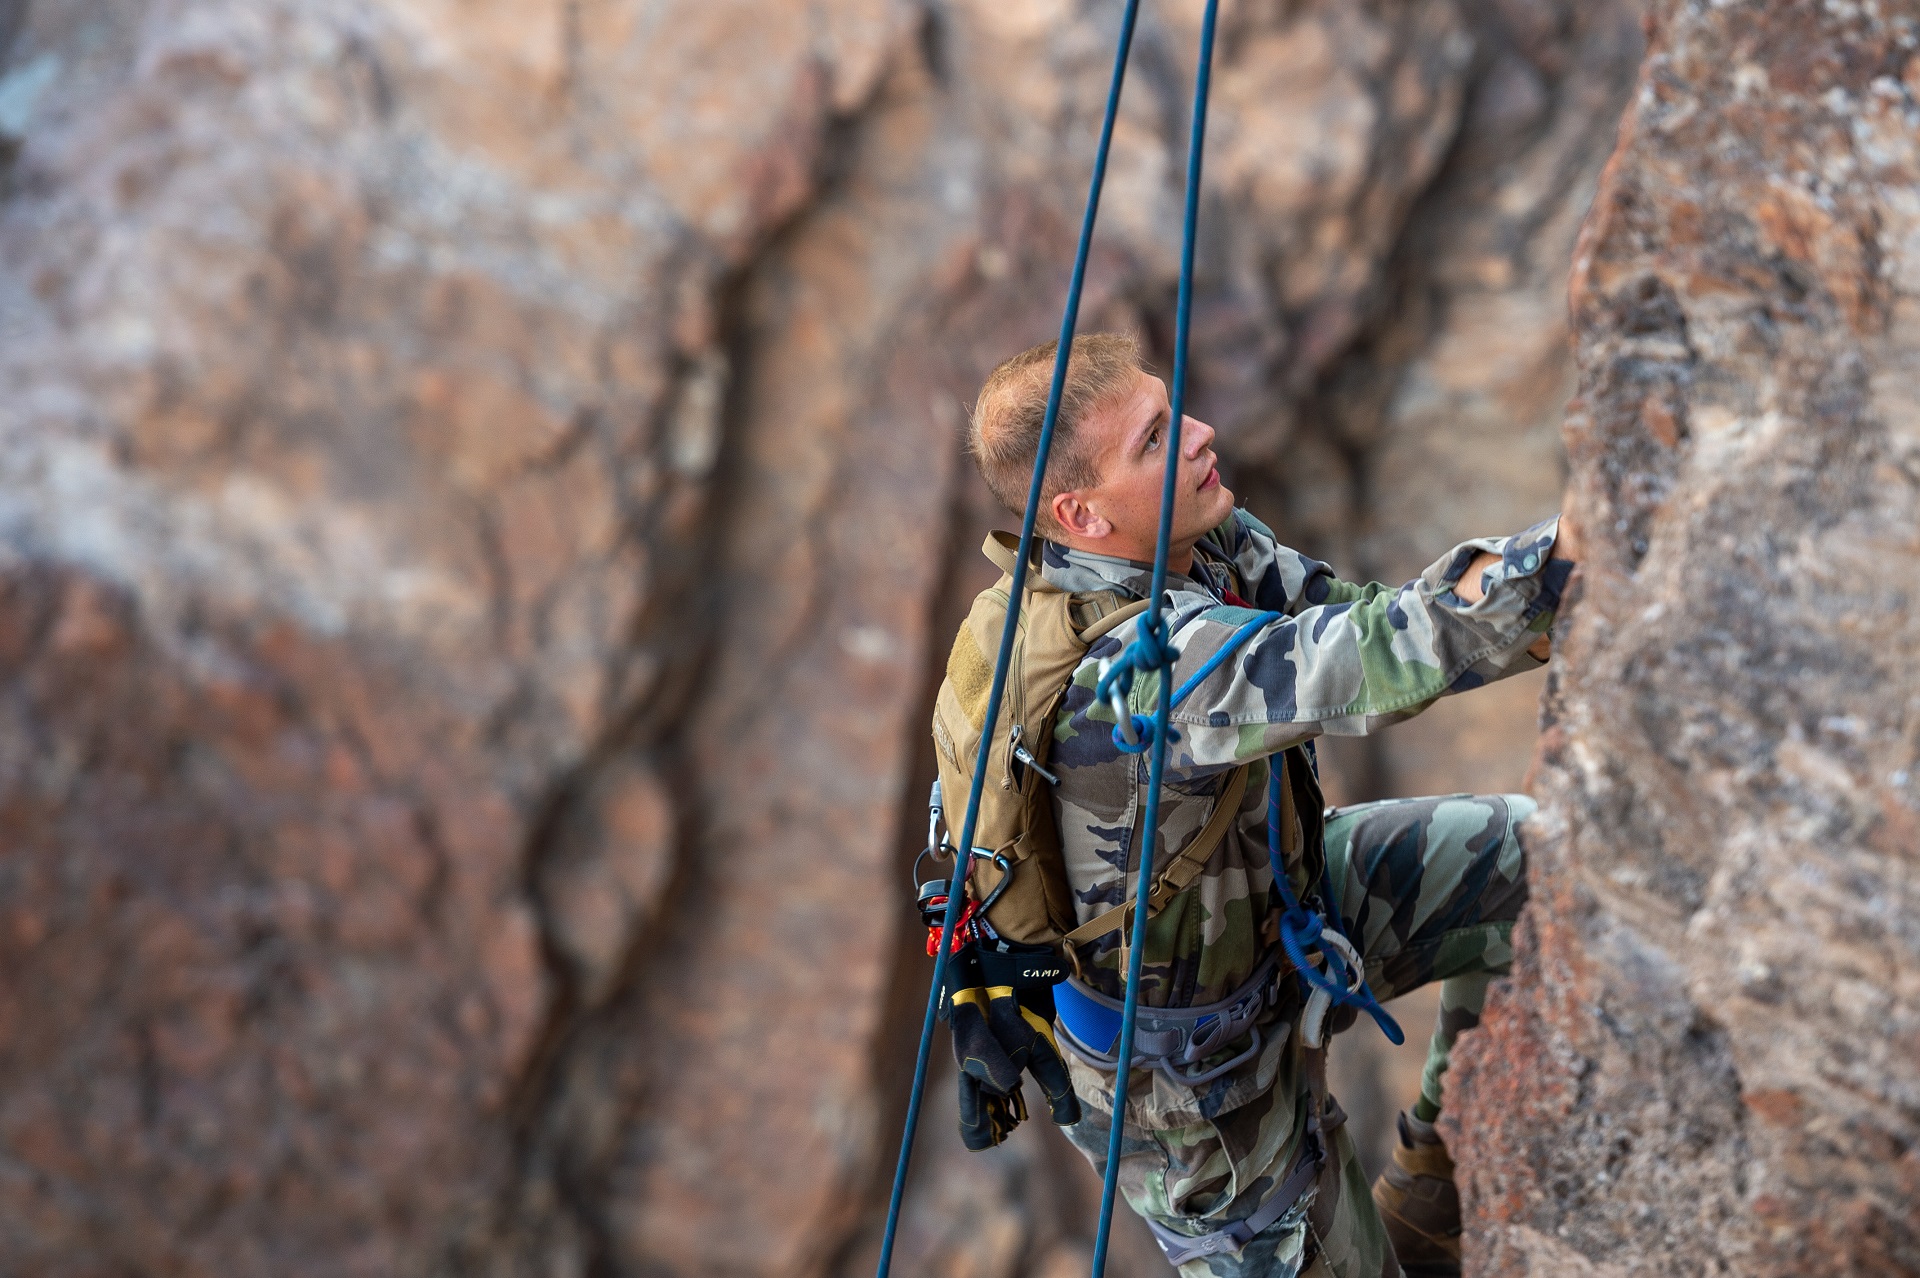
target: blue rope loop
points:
(1145, 733)
(1302, 933)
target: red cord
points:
(966, 930)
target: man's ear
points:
(1074, 517)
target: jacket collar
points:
(1082, 571)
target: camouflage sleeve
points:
(1278, 579)
(1356, 663)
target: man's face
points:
(1127, 438)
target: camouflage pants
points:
(1428, 889)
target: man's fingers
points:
(1469, 588)
(1050, 1072)
(979, 1051)
(978, 1129)
(987, 1119)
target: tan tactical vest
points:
(1016, 813)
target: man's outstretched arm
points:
(1372, 655)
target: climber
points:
(1234, 1152)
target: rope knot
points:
(1150, 650)
(1145, 730)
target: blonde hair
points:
(1004, 433)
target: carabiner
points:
(1005, 867)
(1118, 700)
(941, 850)
(935, 814)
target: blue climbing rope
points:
(1151, 649)
(956, 888)
(1213, 663)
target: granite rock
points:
(1709, 1059)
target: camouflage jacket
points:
(1343, 659)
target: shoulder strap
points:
(1106, 608)
(1001, 549)
(1113, 620)
(1182, 870)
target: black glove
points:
(998, 1032)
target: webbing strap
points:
(1181, 871)
(1002, 550)
(1103, 610)
(1111, 621)
(1231, 1239)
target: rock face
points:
(1709, 1061)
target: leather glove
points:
(999, 1033)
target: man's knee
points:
(1511, 857)
(1519, 808)
(1473, 867)
(1476, 826)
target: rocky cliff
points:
(481, 508)
(1710, 1059)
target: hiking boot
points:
(1419, 1204)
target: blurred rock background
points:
(482, 514)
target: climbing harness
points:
(1320, 953)
(1173, 1040)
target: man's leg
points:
(1461, 998)
(1429, 889)
(1215, 1172)
(1427, 892)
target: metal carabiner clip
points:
(1005, 867)
(938, 851)
(1122, 715)
(1313, 1017)
(936, 814)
